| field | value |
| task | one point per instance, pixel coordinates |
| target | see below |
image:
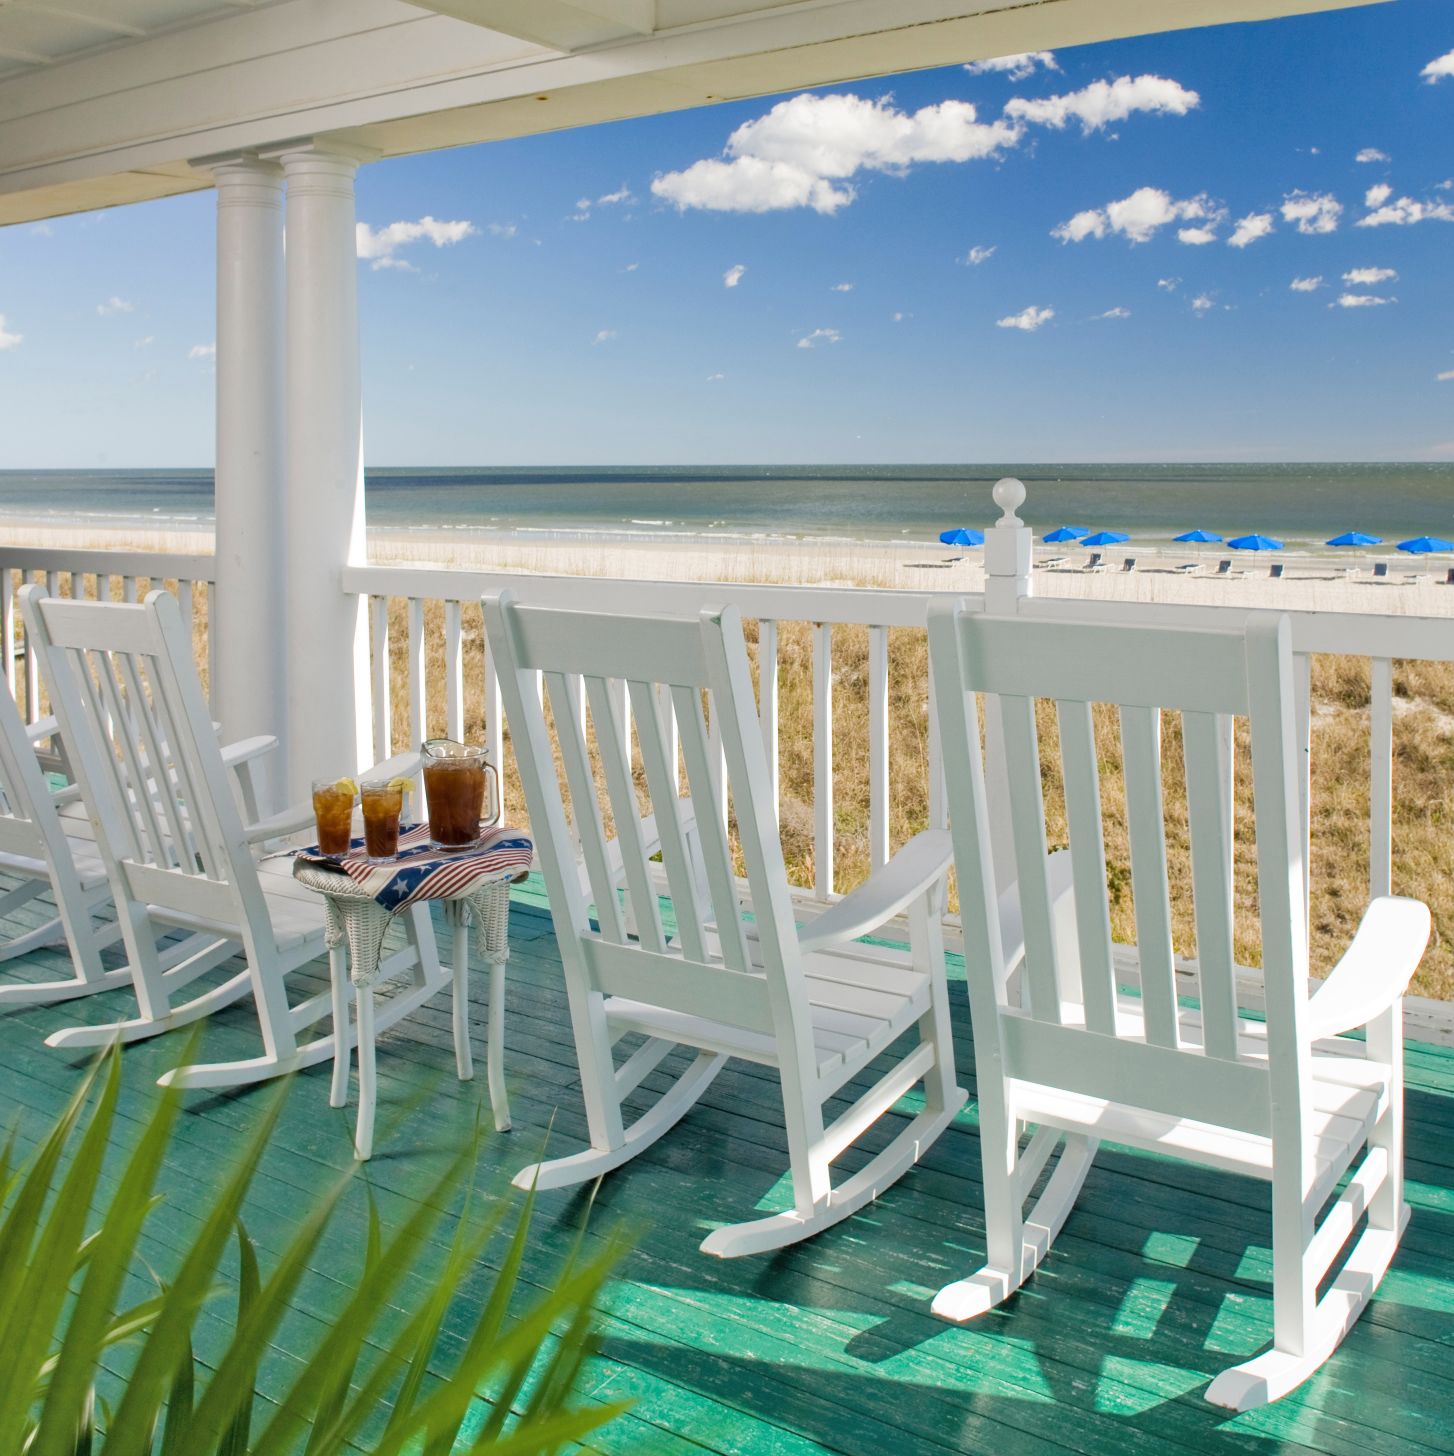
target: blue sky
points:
(1098, 324)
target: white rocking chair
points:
(1288, 1099)
(177, 852)
(812, 1003)
(47, 843)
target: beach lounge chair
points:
(1287, 1098)
(1275, 570)
(1190, 566)
(812, 1003)
(1052, 561)
(1449, 579)
(1129, 564)
(1380, 570)
(1095, 563)
(176, 848)
(1224, 567)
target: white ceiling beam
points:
(120, 125)
(562, 23)
(29, 58)
(108, 25)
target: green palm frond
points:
(384, 1367)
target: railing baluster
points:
(453, 673)
(415, 662)
(878, 746)
(494, 720)
(32, 680)
(128, 589)
(214, 646)
(7, 624)
(1302, 688)
(767, 679)
(1380, 787)
(938, 795)
(823, 760)
(379, 666)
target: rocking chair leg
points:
(363, 1138)
(495, 1049)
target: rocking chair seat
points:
(295, 912)
(856, 1009)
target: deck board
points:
(1159, 1279)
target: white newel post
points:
(329, 730)
(250, 555)
(1008, 563)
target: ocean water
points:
(1301, 503)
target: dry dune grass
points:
(1423, 778)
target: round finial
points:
(1009, 496)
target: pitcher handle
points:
(492, 794)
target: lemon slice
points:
(403, 785)
(348, 787)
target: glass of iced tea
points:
(456, 779)
(333, 809)
(382, 805)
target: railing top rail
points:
(155, 565)
(869, 607)
(1362, 634)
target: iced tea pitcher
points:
(462, 791)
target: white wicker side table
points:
(356, 919)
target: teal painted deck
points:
(1158, 1280)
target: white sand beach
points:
(1323, 582)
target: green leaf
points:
(249, 1286)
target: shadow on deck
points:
(1159, 1280)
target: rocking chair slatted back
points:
(1068, 1032)
(148, 757)
(649, 677)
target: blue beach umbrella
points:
(1355, 538)
(1425, 545)
(1106, 538)
(1255, 543)
(1066, 533)
(1199, 536)
(962, 536)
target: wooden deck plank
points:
(829, 1346)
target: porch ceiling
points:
(109, 101)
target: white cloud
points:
(604, 336)
(979, 254)
(631, 267)
(622, 194)
(380, 246)
(900, 316)
(1443, 378)
(1313, 212)
(805, 151)
(1027, 320)
(145, 342)
(1404, 211)
(1367, 277)
(1439, 67)
(202, 351)
(1016, 67)
(1139, 216)
(1372, 154)
(733, 276)
(1306, 285)
(1377, 196)
(501, 229)
(819, 336)
(1103, 102)
(8, 340)
(1196, 236)
(1117, 313)
(842, 288)
(115, 305)
(1248, 229)
(1168, 284)
(714, 378)
(1202, 302)
(1360, 300)
(42, 230)
(583, 204)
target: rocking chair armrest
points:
(920, 864)
(247, 749)
(1375, 969)
(402, 766)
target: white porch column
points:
(327, 662)
(1008, 558)
(246, 609)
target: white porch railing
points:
(105, 575)
(1378, 639)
